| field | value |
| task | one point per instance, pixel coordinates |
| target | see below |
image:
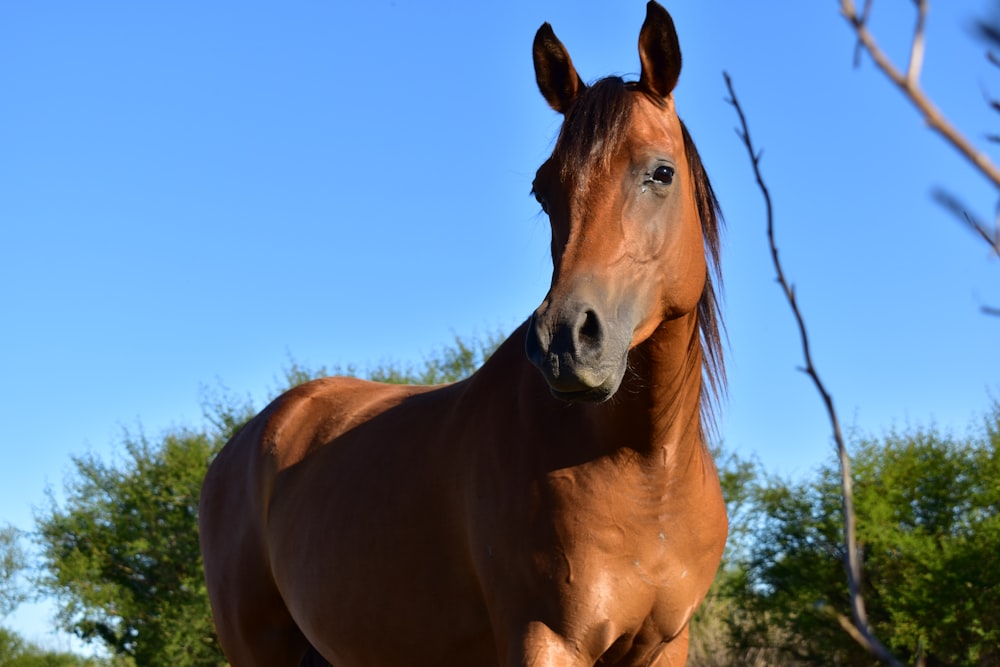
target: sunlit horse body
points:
(559, 507)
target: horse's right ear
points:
(659, 51)
(554, 71)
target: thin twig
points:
(862, 629)
(859, 47)
(980, 228)
(911, 88)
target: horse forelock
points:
(593, 131)
(594, 128)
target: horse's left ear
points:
(659, 52)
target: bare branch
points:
(862, 631)
(856, 635)
(910, 87)
(917, 47)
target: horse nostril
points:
(590, 329)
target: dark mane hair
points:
(592, 131)
(710, 325)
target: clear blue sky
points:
(191, 194)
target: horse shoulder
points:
(293, 426)
(312, 415)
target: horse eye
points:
(664, 174)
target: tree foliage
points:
(16, 652)
(709, 636)
(450, 363)
(121, 556)
(928, 512)
(12, 561)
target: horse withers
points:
(557, 508)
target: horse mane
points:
(711, 328)
(592, 131)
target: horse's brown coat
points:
(561, 510)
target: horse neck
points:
(656, 413)
(662, 416)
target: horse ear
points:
(659, 51)
(554, 71)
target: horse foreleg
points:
(540, 646)
(312, 658)
(258, 638)
(673, 653)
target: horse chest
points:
(637, 556)
(605, 556)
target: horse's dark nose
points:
(577, 340)
(568, 346)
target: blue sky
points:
(191, 195)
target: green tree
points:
(450, 363)
(120, 554)
(12, 561)
(15, 652)
(121, 557)
(928, 512)
(710, 641)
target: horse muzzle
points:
(581, 354)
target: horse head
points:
(623, 201)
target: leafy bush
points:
(928, 516)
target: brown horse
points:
(559, 507)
